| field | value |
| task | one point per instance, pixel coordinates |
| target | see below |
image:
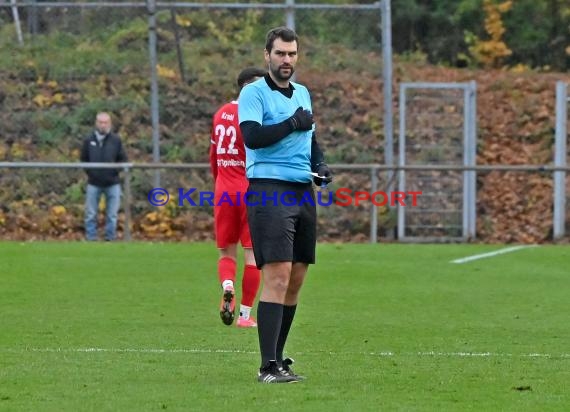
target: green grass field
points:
(388, 327)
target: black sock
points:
(268, 325)
(288, 315)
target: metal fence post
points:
(290, 23)
(387, 80)
(373, 208)
(559, 224)
(290, 14)
(127, 204)
(152, 40)
(469, 158)
(473, 161)
(17, 24)
(402, 159)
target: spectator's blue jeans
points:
(112, 204)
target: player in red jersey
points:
(227, 163)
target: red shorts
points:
(231, 223)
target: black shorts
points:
(282, 220)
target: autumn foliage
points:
(490, 53)
(48, 104)
(515, 126)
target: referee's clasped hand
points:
(302, 119)
(323, 170)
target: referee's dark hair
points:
(283, 33)
(248, 75)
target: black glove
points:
(301, 119)
(323, 170)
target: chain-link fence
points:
(78, 58)
(437, 127)
(62, 62)
(57, 210)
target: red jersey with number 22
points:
(227, 151)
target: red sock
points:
(250, 284)
(226, 269)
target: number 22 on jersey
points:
(221, 132)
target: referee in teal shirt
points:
(282, 154)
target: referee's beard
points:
(281, 74)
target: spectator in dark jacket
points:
(102, 145)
